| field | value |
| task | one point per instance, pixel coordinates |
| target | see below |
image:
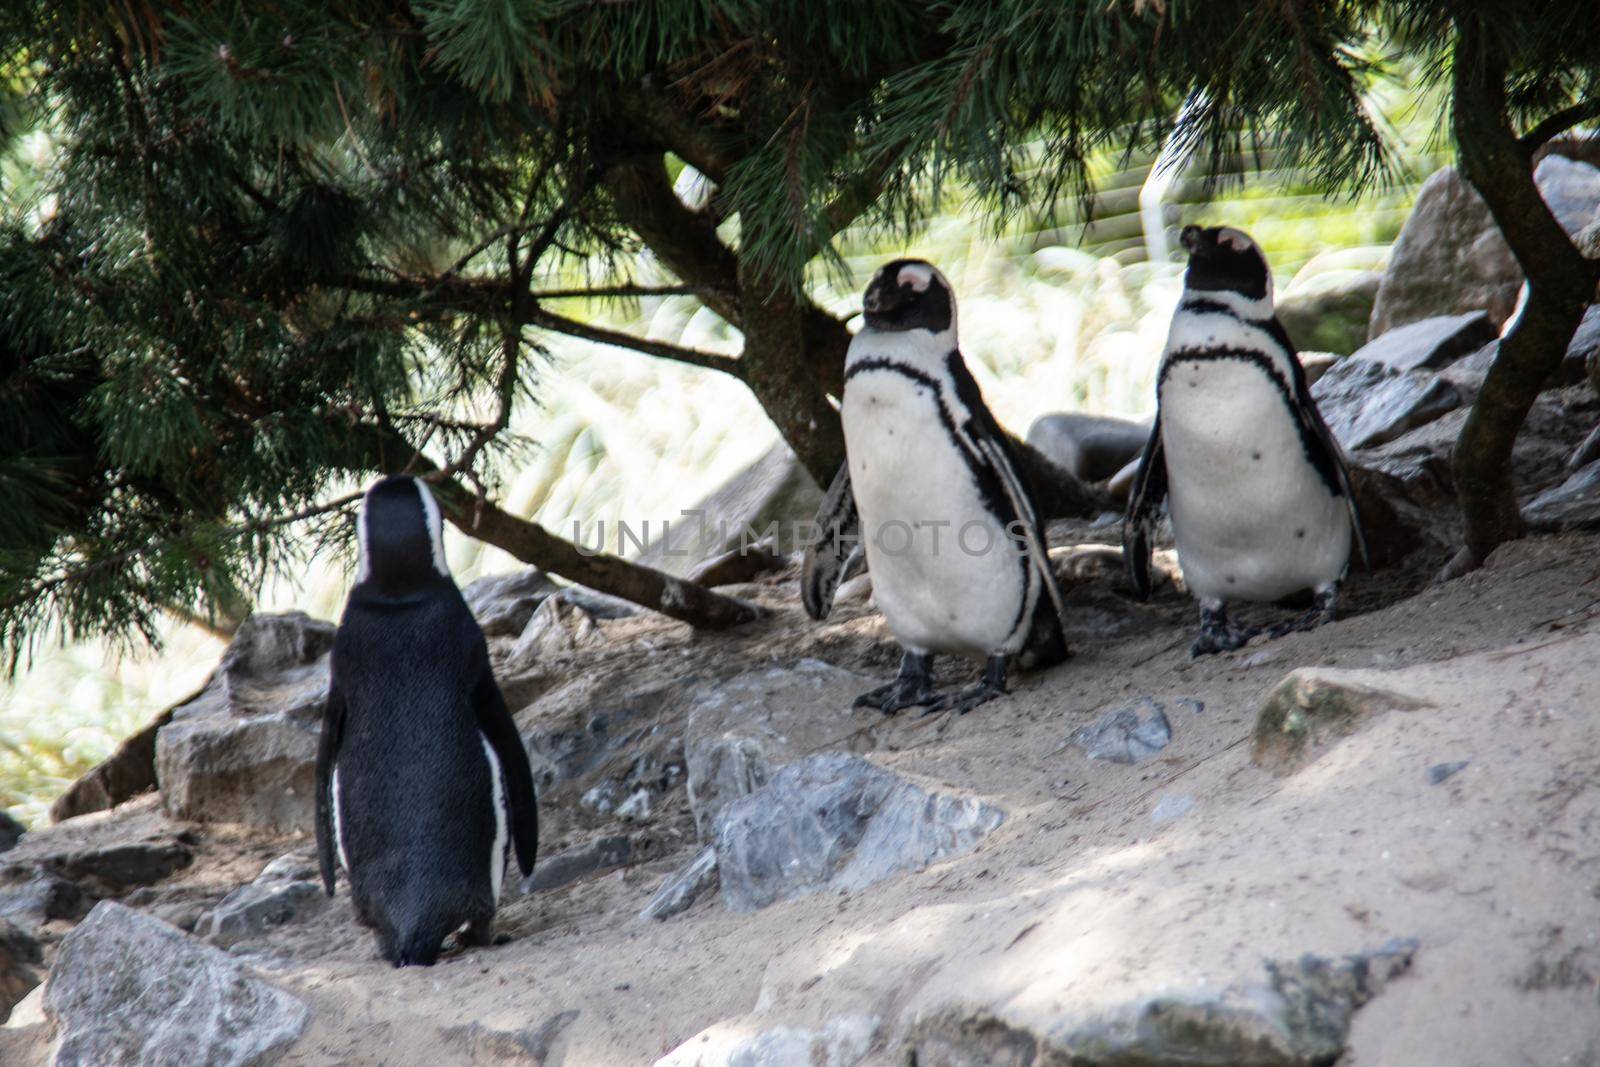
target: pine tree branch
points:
(603, 292)
(1559, 123)
(600, 335)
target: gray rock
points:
(1171, 806)
(1367, 403)
(129, 989)
(742, 730)
(1092, 447)
(1316, 364)
(1095, 613)
(683, 887)
(1131, 733)
(738, 565)
(837, 821)
(256, 909)
(1331, 311)
(557, 628)
(1572, 505)
(774, 495)
(1582, 351)
(598, 604)
(1450, 257)
(503, 603)
(21, 966)
(594, 857)
(1299, 1016)
(1312, 709)
(244, 750)
(11, 832)
(528, 1047)
(1441, 772)
(843, 1041)
(1429, 344)
(42, 899)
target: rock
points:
(598, 604)
(245, 749)
(1129, 734)
(126, 773)
(683, 887)
(1429, 344)
(1582, 352)
(115, 869)
(1313, 708)
(1587, 451)
(1171, 806)
(1572, 505)
(738, 565)
(773, 496)
(129, 989)
(742, 730)
(557, 628)
(1091, 447)
(11, 832)
(1095, 613)
(1366, 403)
(842, 1041)
(595, 857)
(1316, 364)
(840, 822)
(1299, 1016)
(1450, 257)
(45, 898)
(21, 966)
(254, 910)
(503, 603)
(1440, 772)
(1329, 313)
(528, 1047)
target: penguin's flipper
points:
(999, 457)
(500, 730)
(827, 559)
(327, 754)
(1144, 508)
(1326, 455)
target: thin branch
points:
(602, 292)
(1560, 123)
(600, 335)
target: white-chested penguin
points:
(423, 786)
(1258, 492)
(950, 528)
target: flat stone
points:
(557, 628)
(245, 749)
(1429, 344)
(129, 989)
(503, 603)
(740, 731)
(683, 887)
(527, 1047)
(738, 565)
(1582, 352)
(1091, 447)
(568, 866)
(1311, 709)
(1442, 772)
(838, 821)
(1572, 505)
(1130, 733)
(1366, 403)
(255, 910)
(42, 899)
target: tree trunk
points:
(1560, 284)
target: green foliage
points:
(276, 247)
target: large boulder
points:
(1329, 311)
(1432, 343)
(503, 603)
(1450, 257)
(1367, 403)
(244, 750)
(129, 989)
(837, 821)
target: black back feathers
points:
(401, 538)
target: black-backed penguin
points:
(1258, 492)
(423, 786)
(950, 528)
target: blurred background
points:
(1063, 310)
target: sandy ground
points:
(1082, 900)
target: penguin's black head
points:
(909, 294)
(1223, 258)
(402, 538)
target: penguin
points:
(1258, 491)
(931, 493)
(423, 787)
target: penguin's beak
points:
(1191, 239)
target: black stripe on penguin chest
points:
(984, 478)
(1172, 367)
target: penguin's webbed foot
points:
(1321, 611)
(1219, 632)
(911, 688)
(962, 701)
(479, 933)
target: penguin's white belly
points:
(1252, 517)
(944, 572)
